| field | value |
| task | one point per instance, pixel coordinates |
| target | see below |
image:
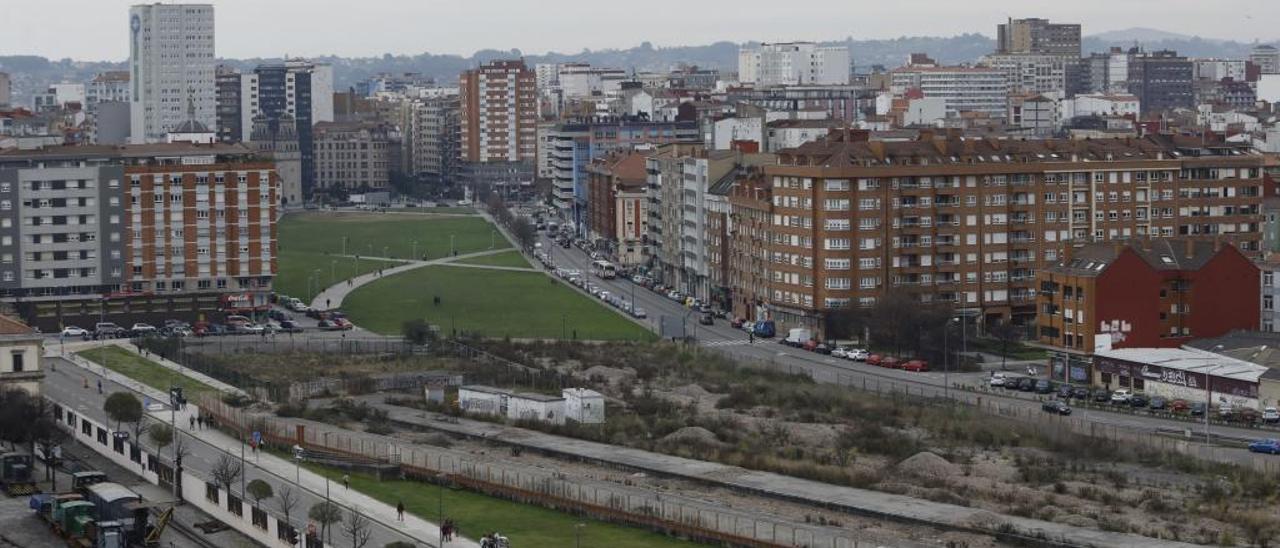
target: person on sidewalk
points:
(99, 386)
(346, 482)
(193, 422)
(400, 510)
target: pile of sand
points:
(693, 435)
(928, 465)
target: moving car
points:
(639, 313)
(143, 329)
(997, 379)
(1056, 407)
(1265, 446)
(1043, 386)
(707, 319)
(73, 331)
(857, 354)
(290, 326)
(108, 330)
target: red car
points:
(916, 366)
(874, 359)
(891, 363)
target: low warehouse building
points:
(584, 406)
(1180, 373)
(487, 400)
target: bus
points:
(604, 269)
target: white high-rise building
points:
(171, 68)
(792, 64)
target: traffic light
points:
(293, 536)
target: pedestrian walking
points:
(99, 386)
(346, 482)
(86, 382)
(193, 422)
(400, 510)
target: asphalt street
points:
(826, 369)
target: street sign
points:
(297, 452)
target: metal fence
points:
(672, 514)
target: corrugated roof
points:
(1190, 359)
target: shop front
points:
(1193, 380)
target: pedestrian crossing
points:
(728, 342)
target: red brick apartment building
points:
(971, 221)
(617, 207)
(499, 113)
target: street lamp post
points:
(577, 534)
(440, 503)
(1208, 400)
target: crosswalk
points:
(729, 342)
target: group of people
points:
(494, 540)
(447, 529)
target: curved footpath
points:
(333, 295)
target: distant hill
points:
(32, 73)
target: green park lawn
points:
(526, 525)
(311, 242)
(492, 303)
(145, 371)
(506, 258)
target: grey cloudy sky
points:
(97, 29)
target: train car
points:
(80, 481)
(16, 474)
(116, 503)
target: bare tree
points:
(47, 436)
(325, 513)
(226, 471)
(357, 528)
(286, 499)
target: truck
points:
(16, 476)
(798, 336)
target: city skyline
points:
(80, 29)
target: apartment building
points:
(793, 64)
(162, 88)
(107, 87)
(619, 205)
(1027, 73)
(82, 227)
(963, 89)
(227, 104)
(1038, 36)
(498, 122)
(844, 103)
(354, 155)
(1162, 81)
(969, 222)
(431, 138)
(296, 92)
(1146, 293)
(747, 257)
(575, 144)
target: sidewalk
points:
(333, 295)
(74, 347)
(381, 514)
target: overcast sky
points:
(97, 29)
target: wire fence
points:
(671, 514)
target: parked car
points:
(874, 359)
(1247, 415)
(1064, 391)
(290, 326)
(72, 331)
(1057, 407)
(1043, 386)
(1121, 396)
(1027, 384)
(707, 319)
(1102, 395)
(143, 329)
(997, 379)
(891, 363)
(1270, 415)
(1265, 446)
(247, 328)
(278, 315)
(1080, 393)
(840, 352)
(916, 366)
(1198, 409)
(108, 330)
(1137, 401)
(1158, 404)
(1179, 406)
(1226, 410)
(639, 313)
(857, 354)
(822, 348)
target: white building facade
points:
(793, 64)
(171, 65)
(963, 89)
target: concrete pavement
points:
(333, 295)
(65, 385)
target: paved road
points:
(64, 384)
(735, 343)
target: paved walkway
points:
(284, 470)
(492, 267)
(333, 295)
(857, 501)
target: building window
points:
(18, 365)
(211, 492)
